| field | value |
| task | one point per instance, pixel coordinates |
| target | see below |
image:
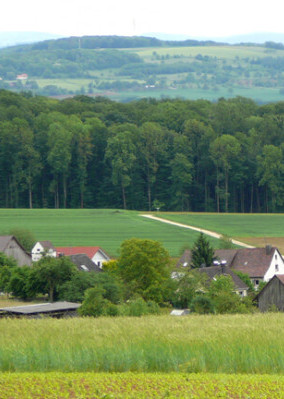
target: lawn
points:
(95, 227)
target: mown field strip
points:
(140, 385)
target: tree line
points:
(184, 155)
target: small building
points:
(55, 309)
(96, 254)
(221, 270)
(84, 263)
(272, 294)
(179, 312)
(43, 248)
(10, 246)
(22, 76)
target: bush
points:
(202, 304)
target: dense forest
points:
(180, 155)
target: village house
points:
(96, 254)
(215, 271)
(260, 264)
(272, 294)
(84, 263)
(43, 248)
(10, 246)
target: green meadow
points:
(95, 227)
(230, 344)
(233, 225)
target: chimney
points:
(223, 266)
(268, 249)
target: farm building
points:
(215, 271)
(43, 248)
(272, 295)
(84, 263)
(96, 254)
(10, 246)
(55, 309)
(261, 264)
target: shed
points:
(179, 312)
(272, 294)
(55, 309)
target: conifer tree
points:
(202, 252)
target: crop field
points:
(137, 385)
(102, 227)
(227, 52)
(255, 229)
(230, 344)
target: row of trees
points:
(138, 281)
(96, 153)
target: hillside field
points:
(108, 228)
(95, 227)
(255, 229)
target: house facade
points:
(10, 246)
(42, 248)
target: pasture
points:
(95, 227)
(230, 344)
(254, 229)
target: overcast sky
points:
(195, 18)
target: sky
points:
(194, 18)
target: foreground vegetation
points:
(137, 385)
(212, 344)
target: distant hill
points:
(14, 38)
(131, 67)
(257, 37)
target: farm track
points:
(204, 231)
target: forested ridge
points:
(177, 154)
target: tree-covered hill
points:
(135, 67)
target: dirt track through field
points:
(186, 226)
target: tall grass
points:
(218, 344)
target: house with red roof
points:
(96, 254)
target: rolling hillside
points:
(127, 68)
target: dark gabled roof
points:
(47, 245)
(214, 271)
(5, 240)
(253, 261)
(41, 308)
(84, 263)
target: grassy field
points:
(255, 229)
(230, 344)
(103, 227)
(137, 385)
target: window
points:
(99, 263)
(256, 282)
(276, 268)
(275, 256)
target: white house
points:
(43, 248)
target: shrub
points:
(202, 304)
